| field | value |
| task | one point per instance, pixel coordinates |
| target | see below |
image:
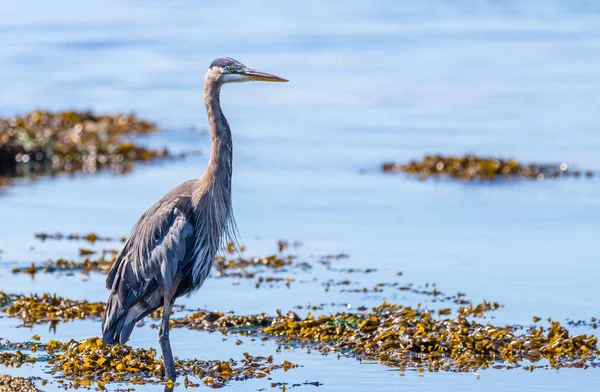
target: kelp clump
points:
(409, 338)
(90, 237)
(401, 337)
(472, 167)
(240, 267)
(100, 264)
(34, 309)
(15, 359)
(228, 267)
(47, 143)
(224, 322)
(50, 308)
(92, 361)
(16, 384)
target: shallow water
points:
(369, 82)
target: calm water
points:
(369, 82)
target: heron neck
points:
(219, 165)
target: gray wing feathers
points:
(160, 244)
(162, 257)
(159, 247)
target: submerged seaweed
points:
(397, 336)
(16, 384)
(90, 237)
(15, 359)
(42, 143)
(404, 337)
(51, 309)
(230, 266)
(472, 167)
(100, 264)
(408, 338)
(90, 363)
(34, 309)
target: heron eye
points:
(229, 69)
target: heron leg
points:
(165, 344)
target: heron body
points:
(171, 248)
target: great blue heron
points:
(172, 246)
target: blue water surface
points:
(370, 81)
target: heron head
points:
(228, 70)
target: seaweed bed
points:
(401, 337)
(100, 261)
(89, 237)
(91, 363)
(16, 384)
(46, 143)
(472, 167)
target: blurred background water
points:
(369, 82)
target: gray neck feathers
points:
(214, 214)
(219, 165)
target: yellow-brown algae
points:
(16, 384)
(228, 267)
(34, 309)
(22, 346)
(241, 267)
(92, 362)
(427, 289)
(15, 359)
(472, 167)
(90, 237)
(224, 322)
(592, 323)
(100, 264)
(7, 298)
(355, 270)
(478, 310)
(401, 337)
(248, 267)
(282, 245)
(49, 308)
(409, 338)
(223, 267)
(46, 143)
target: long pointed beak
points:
(252, 74)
